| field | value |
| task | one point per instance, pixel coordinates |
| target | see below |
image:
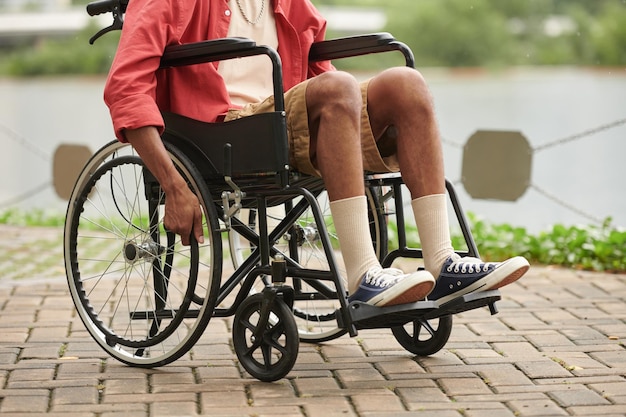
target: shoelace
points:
(469, 265)
(379, 277)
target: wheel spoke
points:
(428, 327)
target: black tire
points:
(132, 282)
(424, 338)
(266, 347)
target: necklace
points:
(258, 18)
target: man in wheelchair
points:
(337, 127)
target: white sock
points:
(352, 227)
(431, 218)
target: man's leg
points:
(334, 110)
(400, 104)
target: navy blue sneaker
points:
(390, 286)
(460, 276)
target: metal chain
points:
(580, 135)
(565, 204)
(25, 143)
(25, 195)
(451, 143)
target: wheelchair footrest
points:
(465, 303)
(366, 316)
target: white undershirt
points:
(249, 80)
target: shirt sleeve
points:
(319, 67)
(130, 89)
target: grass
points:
(594, 248)
(35, 217)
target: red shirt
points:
(137, 91)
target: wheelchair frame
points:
(272, 288)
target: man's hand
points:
(182, 209)
(183, 215)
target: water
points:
(586, 175)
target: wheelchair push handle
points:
(105, 6)
(116, 7)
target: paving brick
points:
(399, 368)
(382, 401)
(610, 390)
(616, 359)
(8, 355)
(48, 334)
(316, 386)
(549, 338)
(37, 374)
(75, 395)
(211, 373)
(173, 408)
(542, 369)
(338, 351)
(582, 333)
(72, 369)
(349, 377)
(210, 400)
(543, 407)
(42, 351)
(25, 404)
(173, 376)
(13, 336)
(498, 376)
(576, 397)
(518, 350)
(328, 407)
(413, 397)
(464, 386)
(576, 360)
(126, 386)
(264, 394)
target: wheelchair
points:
(269, 258)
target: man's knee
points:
(404, 87)
(334, 92)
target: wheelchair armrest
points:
(205, 51)
(223, 49)
(351, 46)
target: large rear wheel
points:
(143, 296)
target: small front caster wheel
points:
(424, 337)
(265, 337)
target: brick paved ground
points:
(556, 348)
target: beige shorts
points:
(378, 156)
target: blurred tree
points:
(72, 55)
(452, 32)
(608, 35)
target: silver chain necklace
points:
(258, 18)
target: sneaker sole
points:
(512, 270)
(422, 286)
